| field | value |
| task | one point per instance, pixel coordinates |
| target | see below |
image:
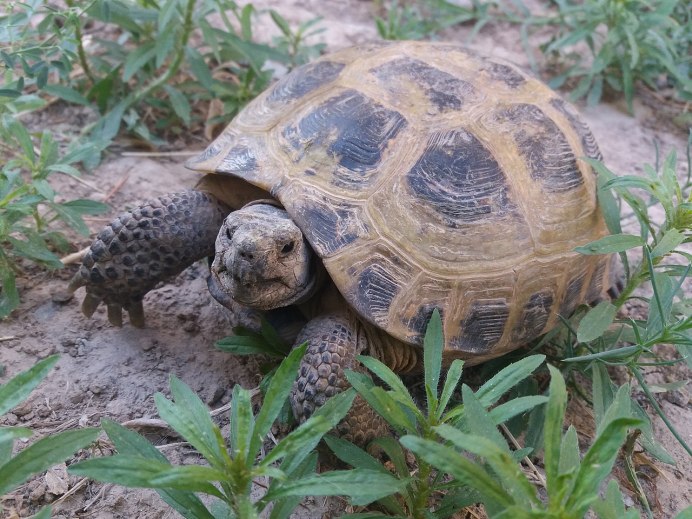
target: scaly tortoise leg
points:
(333, 345)
(145, 246)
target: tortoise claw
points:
(115, 314)
(136, 312)
(90, 304)
(76, 282)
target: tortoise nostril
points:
(247, 255)
(288, 247)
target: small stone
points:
(23, 409)
(679, 397)
(77, 398)
(61, 296)
(37, 492)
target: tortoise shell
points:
(426, 176)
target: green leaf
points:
(242, 425)
(597, 464)
(66, 94)
(433, 344)
(499, 458)
(602, 392)
(277, 393)
(661, 305)
(362, 486)
(380, 370)
(190, 418)
(477, 420)
(464, 470)
(507, 378)
(596, 321)
(65, 168)
(130, 443)
(353, 455)
(9, 296)
(451, 382)
(246, 345)
(179, 102)
(85, 206)
(35, 249)
(137, 58)
(42, 455)
(301, 441)
(136, 472)
(18, 388)
(612, 243)
(71, 217)
(554, 418)
(569, 452)
(505, 412)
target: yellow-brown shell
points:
(428, 177)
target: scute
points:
(426, 176)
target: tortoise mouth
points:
(251, 290)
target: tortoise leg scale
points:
(333, 344)
(145, 246)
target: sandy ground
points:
(113, 373)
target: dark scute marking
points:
(534, 316)
(376, 290)
(571, 299)
(353, 129)
(459, 178)
(330, 227)
(483, 326)
(506, 74)
(588, 141)
(544, 147)
(240, 159)
(419, 322)
(444, 90)
(304, 80)
(596, 284)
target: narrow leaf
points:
(596, 321)
(277, 393)
(554, 418)
(18, 388)
(433, 344)
(42, 455)
(612, 243)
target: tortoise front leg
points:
(333, 344)
(144, 246)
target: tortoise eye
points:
(288, 247)
(229, 234)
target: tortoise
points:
(367, 189)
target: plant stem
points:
(80, 44)
(172, 70)
(640, 378)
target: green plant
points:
(288, 467)
(152, 66)
(629, 41)
(571, 482)
(422, 487)
(424, 18)
(597, 337)
(31, 217)
(41, 455)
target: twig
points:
(117, 187)
(81, 483)
(75, 257)
(8, 338)
(159, 153)
(514, 441)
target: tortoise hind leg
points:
(333, 344)
(145, 246)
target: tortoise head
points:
(262, 260)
